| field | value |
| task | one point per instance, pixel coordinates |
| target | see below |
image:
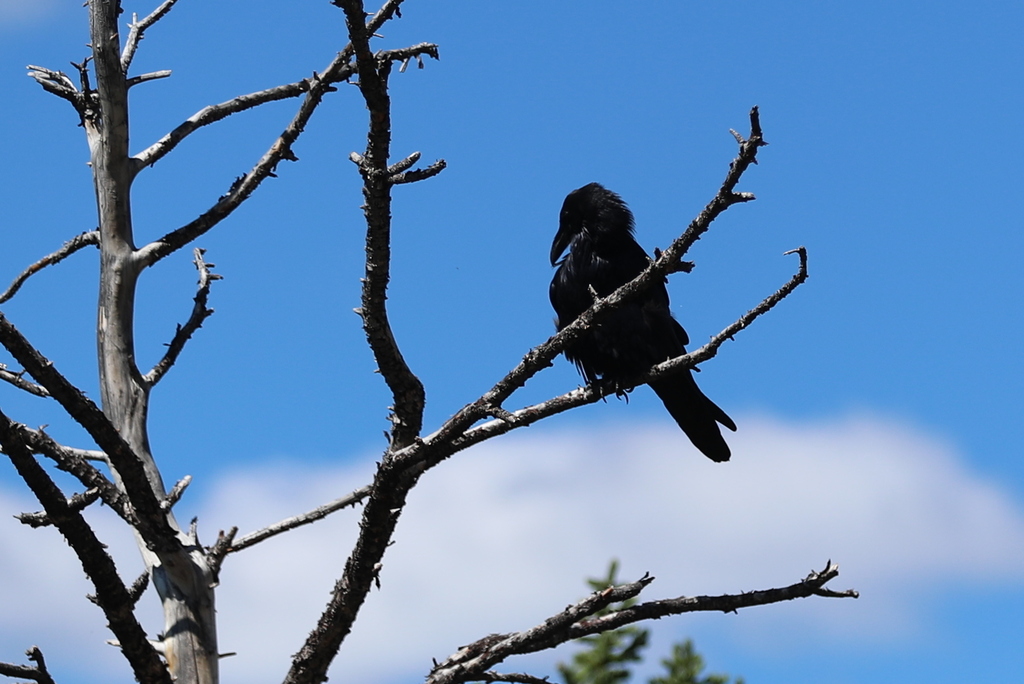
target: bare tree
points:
(121, 470)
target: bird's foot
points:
(607, 386)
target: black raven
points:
(596, 226)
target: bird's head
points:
(594, 209)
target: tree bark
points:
(181, 575)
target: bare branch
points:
(390, 486)
(112, 595)
(494, 648)
(58, 83)
(318, 513)
(419, 174)
(76, 502)
(471, 662)
(433, 448)
(18, 380)
(176, 492)
(151, 76)
(339, 70)
(152, 523)
(70, 247)
(406, 388)
(515, 677)
(362, 570)
(395, 168)
(138, 587)
(215, 554)
(37, 674)
(40, 442)
(137, 30)
(405, 54)
(812, 585)
(195, 321)
(315, 88)
(215, 113)
(709, 350)
(75, 462)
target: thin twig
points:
(75, 462)
(471, 662)
(318, 513)
(151, 76)
(76, 502)
(515, 677)
(18, 380)
(214, 113)
(70, 247)
(709, 350)
(38, 673)
(137, 31)
(176, 492)
(195, 321)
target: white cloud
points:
(500, 537)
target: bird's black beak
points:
(562, 241)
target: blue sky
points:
(893, 158)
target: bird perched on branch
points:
(596, 227)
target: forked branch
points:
(314, 88)
(137, 30)
(111, 594)
(38, 673)
(590, 394)
(378, 178)
(58, 83)
(76, 502)
(76, 462)
(152, 523)
(471, 663)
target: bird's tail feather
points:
(697, 415)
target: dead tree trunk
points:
(181, 575)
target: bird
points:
(596, 235)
